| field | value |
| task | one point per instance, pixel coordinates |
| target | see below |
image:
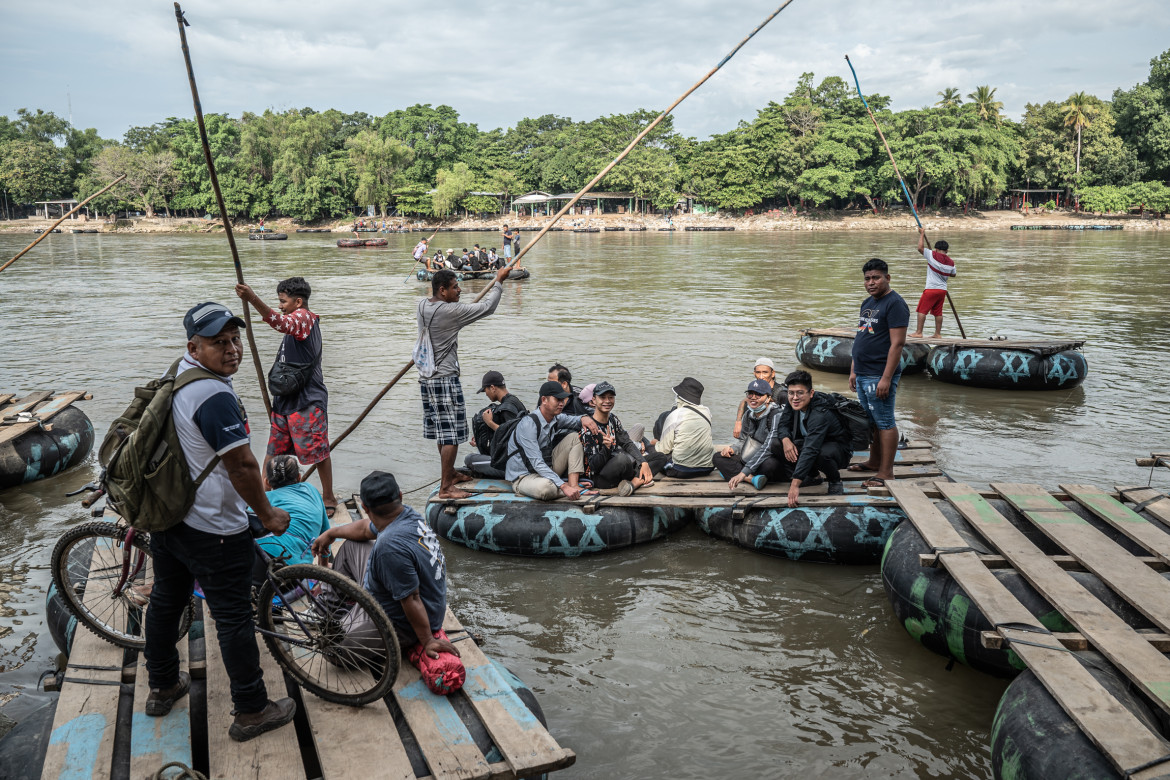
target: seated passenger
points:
(612, 459)
(436, 263)
(765, 370)
(686, 434)
(504, 406)
(586, 396)
(561, 375)
(452, 261)
(397, 558)
(493, 259)
(306, 511)
(755, 424)
(538, 469)
(806, 437)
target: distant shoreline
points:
(774, 221)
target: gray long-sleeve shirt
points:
(445, 321)
(534, 434)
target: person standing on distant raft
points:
(939, 269)
(300, 421)
(509, 236)
(420, 251)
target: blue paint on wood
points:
(82, 737)
(446, 720)
(168, 737)
(485, 683)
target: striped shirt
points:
(939, 268)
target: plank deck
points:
(42, 415)
(1047, 344)
(155, 742)
(26, 403)
(1121, 517)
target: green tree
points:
(949, 98)
(985, 103)
(1079, 111)
(33, 170)
(451, 187)
(378, 163)
(435, 135)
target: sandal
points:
(874, 482)
(330, 511)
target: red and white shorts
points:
(304, 434)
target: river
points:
(688, 657)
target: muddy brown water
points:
(687, 657)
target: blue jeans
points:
(223, 566)
(880, 411)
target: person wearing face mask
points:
(754, 424)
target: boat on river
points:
(267, 236)
(41, 435)
(359, 243)
(423, 275)
(832, 350)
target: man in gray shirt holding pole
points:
(440, 319)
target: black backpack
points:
(503, 447)
(852, 415)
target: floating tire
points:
(1033, 738)
(1008, 369)
(375, 242)
(935, 611)
(40, 453)
(61, 622)
(825, 534)
(508, 524)
(267, 236)
(351, 242)
(835, 354)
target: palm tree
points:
(950, 98)
(1079, 111)
(986, 104)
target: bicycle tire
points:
(120, 619)
(354, 668)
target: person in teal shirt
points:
(305, 507)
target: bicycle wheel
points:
(88, 563)
(328, 633)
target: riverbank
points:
(776, 220)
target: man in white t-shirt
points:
(213, 542)
(939, 269)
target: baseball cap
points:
(765, 362)
(759, 386)
(379, 488)
(208, 319)
(601, 388)
(489, 379)
(554, 389)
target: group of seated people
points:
(573, 442)
(477, 259)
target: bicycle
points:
(321, 627)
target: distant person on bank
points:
(939, 270)
(300, 421)
(877, 367)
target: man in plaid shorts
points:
(444, 414)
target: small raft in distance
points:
(423, 275)
(266, 236)
(358, 243)
(42, 435)
(831, 349)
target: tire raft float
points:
(1002, 367)
(357, 243)
(833, 352)
(423, 275)
(267, 236)
(499, 521)
(44, 440)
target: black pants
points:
(622, 465)
(223, 566)
(830, 460)
(771, 467)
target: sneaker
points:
(160, 700)
(758, 481)
(836, 489)
(813, 481)
(625, 488)
(248, 725)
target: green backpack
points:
(144, 471)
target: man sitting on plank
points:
(535, 467)
(612, 459)
(764, 369)
(397, 558)
(686, 434)
(754, 425)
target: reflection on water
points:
(687, 657)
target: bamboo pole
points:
(564, 209)
(222, 208)
(64, 217)
(905, 191)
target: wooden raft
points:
(101, 730)
(1133, 748)
(42, 405)
(1040, 346)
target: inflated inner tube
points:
(503, 522)
(351, 242)
(835, 354)
(375, 242)
(1008, 369)
(40, 453)
(61, 622)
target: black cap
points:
(554, 389)
(379, 488)
(208, 319)
(601, 388)
(489, 379)
(690, 390)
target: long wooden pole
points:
(564, 209)
(64, 217)
(905, 191)
(222, 208)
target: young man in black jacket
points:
(504, 407)
(811, 437)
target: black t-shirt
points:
(314, 392)
(872, 343)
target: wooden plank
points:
(46, 412)
(447, 746)
(946, 341)
(1116, 731)
(1159, 506)
(273, 755)
(765, 501)
(4, 399)
(82, 741)
(1118, 642)
(526, 745)
(158, 741)
(1067, 562)
(28, 402)
(1121, 517)
(1074, 641)
(1142, 587)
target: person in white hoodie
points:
(686, 434)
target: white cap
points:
(765, 362)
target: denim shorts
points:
(880, 411)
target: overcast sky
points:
(117, 63)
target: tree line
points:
(815, 148)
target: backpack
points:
(144, 472)
(852, 415)
(424, 352)
(502, 443)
